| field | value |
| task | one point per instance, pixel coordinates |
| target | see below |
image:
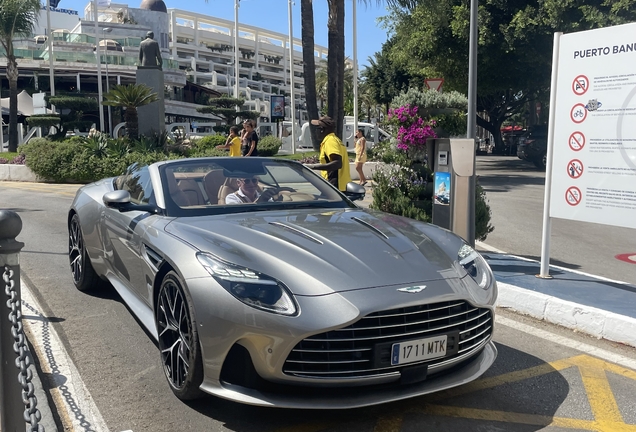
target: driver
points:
(248, 192)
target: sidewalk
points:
(590, 304)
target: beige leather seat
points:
(229, 186)
(191, 190)
(212, 183)
(176, 194)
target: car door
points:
(125, 231)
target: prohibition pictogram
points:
(578, 113)
(575, 168)
(577, 141)
(573, 196)
(580, 85)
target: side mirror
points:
(355, 191)
(120, 200)
(116, 199)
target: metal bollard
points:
(16, 390)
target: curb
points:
(593, 321)
(12, 172)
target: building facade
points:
(198, 53)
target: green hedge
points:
(269, 146)
(67, 161)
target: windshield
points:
(210, 186)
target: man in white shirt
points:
(248, 193)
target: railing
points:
(18, 403)
(88, 58)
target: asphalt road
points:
(539, 382)
(515, 190)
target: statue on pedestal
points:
(150, 53)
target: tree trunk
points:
(12, 76)
(341, 67)
(132, 122)
(309, 66)
(494, 127)
(335, 96)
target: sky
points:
(272, 15)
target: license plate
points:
(419, 349)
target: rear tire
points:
(542, 162)
(178, 339)
(84, 276)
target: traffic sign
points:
(573, 196)
(578, 113)
(575, 168)
(434, 83)
(577, 141)
(580, 85)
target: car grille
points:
(363, 349)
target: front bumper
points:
(345, 398)
(268, 339)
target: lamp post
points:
(110, 117)
(471, 129)
(291, 81)
(99, 67)
(50, 43)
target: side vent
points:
(153, 258)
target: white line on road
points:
(570, 343)
(73, 400)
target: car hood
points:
(317, 252)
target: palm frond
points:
(130, 96)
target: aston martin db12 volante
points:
(265, 285)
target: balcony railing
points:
(75, 57)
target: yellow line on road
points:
(601, 398)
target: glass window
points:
(139, 185)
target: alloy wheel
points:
(175, 333)
(76, 250)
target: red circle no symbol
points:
(575, 168)
(573, 196)
(577, 141)
(580, 85)
(578, 113)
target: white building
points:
(198, 55)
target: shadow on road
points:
(506, 387)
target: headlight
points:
(475, 265)
(252, 288)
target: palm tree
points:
(17, 20)
(130, 97)
(309, 64)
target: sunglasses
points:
(255, 181)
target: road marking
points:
(73, 401)
(561, 340)
(62, 189)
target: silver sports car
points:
(265, 285)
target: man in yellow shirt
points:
(334, 160)
(233, 142)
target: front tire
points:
(84, 276)
(178, 339)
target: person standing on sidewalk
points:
(334, 160)
(233, 142)
(361, 155)
(249, 138)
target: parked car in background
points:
(535, 145)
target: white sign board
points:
(594, 147)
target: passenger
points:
(233, 142)
(334, 160)
(248, 193)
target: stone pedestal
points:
(152, 117)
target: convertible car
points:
(265, 285)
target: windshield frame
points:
(250, 165)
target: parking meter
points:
(453, 164)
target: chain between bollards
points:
(18, 401)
